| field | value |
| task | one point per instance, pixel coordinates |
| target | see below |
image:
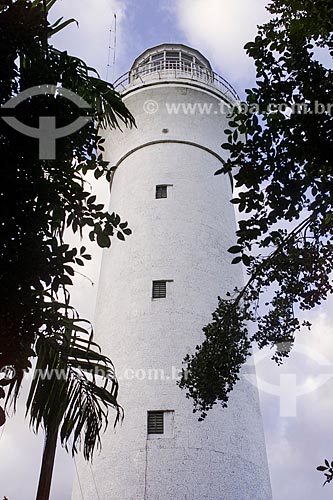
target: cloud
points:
(220, 29)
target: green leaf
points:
(103, 240)
(246, 260)
(50, 4)
(53, 31)
(69, 270)
(235, 249)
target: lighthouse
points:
(158, 290)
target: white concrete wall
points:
(183, 238)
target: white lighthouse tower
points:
(158, 290)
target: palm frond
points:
(73, 388)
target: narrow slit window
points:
(159, 289)
(155, 422)
(161, 191)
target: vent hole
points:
(155, 422)
(159, 289)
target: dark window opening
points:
(155, 422)
(161, 191)
(159, 289)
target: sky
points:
(219, 29)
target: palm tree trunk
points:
(45, 478)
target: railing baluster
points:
(178, 68)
